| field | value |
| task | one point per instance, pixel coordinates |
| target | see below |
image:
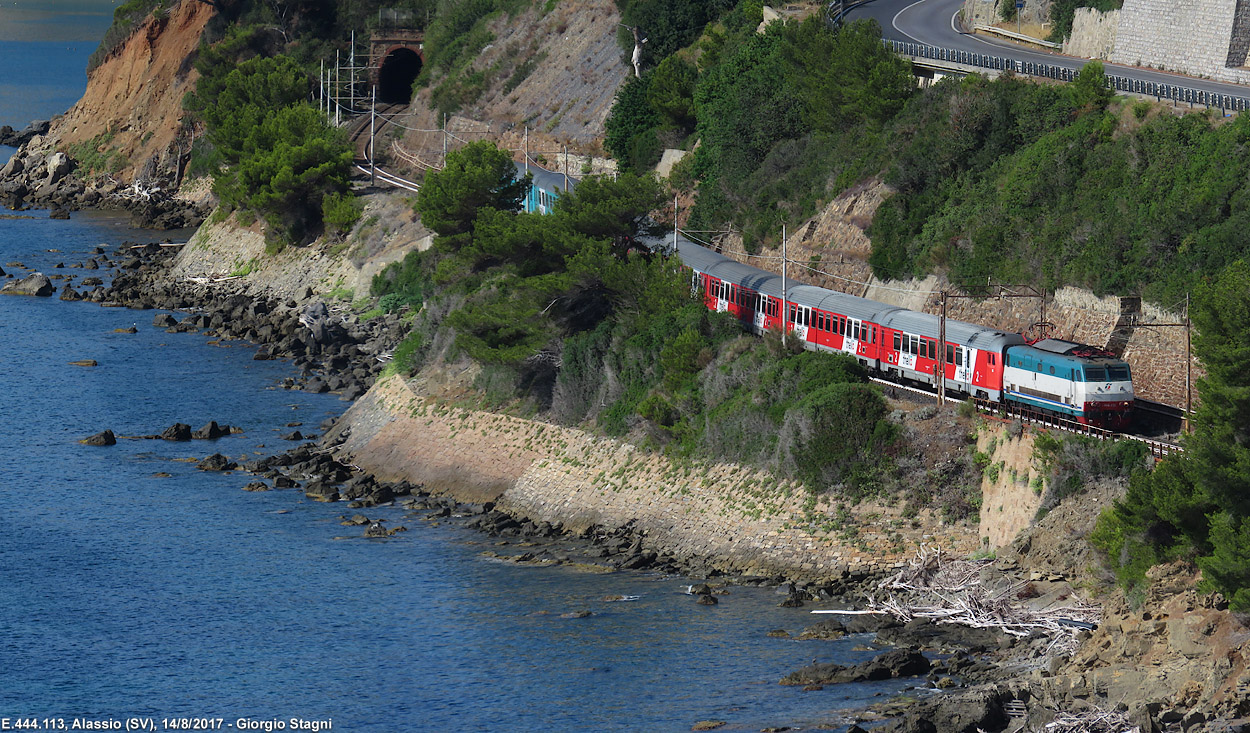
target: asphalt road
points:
(932, 22)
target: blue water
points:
(127, 593)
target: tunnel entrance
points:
(396, 74)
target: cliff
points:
(131, 112)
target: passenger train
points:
(1082, 383)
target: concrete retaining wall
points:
(744, 519)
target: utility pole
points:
(940, 375)
(785, 308)
(674, 223)
(338, 62)
(373, 119)
(1189, 359)
(444, 140)
(321, 86)
(351, 85)
(527, 150)
(566, 169)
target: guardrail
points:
(1171, 92)
(1016, 36)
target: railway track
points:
(1157, 448)
(358, 135)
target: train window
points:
(950, 354)
(1118, 373)
(897, 345)
(1039, 367)
(959, 356)
(1095, 373)
(991, 358)
(1052, 370)
(872, 334)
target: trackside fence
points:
(1173, 92)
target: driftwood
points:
(952, 591)
(1092, 721)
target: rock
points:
(211, 431)
(58, 213)
(36, 284)
(376, 530)
(256, 486)
(295, 435)
(84, 363)
(282, 482)
(104, 438)
(178, 432)
(577, 614)
(217, 462)
(891, 664)
(318, 491)
(707, 600)
(58, 165)
(828, 629)
(163, 320)
(708, 725)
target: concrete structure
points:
(396, 56)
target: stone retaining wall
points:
(1190, 36)
(744, 520)
(1093, 34)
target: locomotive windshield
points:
(1118, 373)
(1095, 373)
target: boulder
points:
(256, 486)
(104, 438)
(217, 462)
(891, 664)
(707, 600)
(69, 294)
(58, 165)
(36, 284)
(163, 320)
(211, 431)
(178, 431)
(294, 435)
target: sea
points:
(138, 592)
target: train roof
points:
(1058, 351)
(545, 179)
(901, 319)
(768, 283)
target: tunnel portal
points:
(399, 69)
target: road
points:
(932, 22)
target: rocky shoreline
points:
(38, 177)
(984, 679)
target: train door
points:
(766, 313)
(799, 317)
(850, 335)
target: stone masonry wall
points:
(743, 519)
(1093, 34)
(1190, 36)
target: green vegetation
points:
(1197, 506)
(272, 153)
(551, 305)
(97, 155)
